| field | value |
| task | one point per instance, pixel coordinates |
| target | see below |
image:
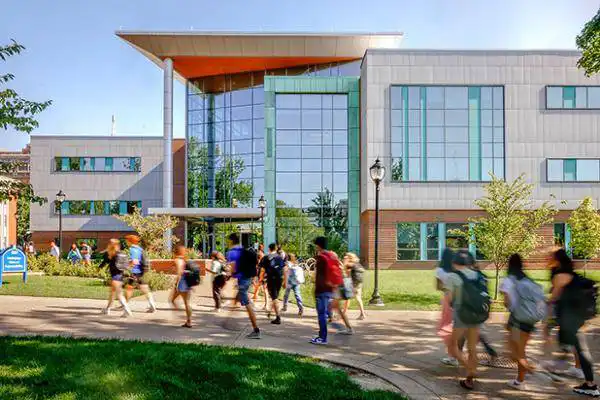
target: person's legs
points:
(174, 295)
(146, 290)
(188, 309)
(111, 295)
(336, 306)
(322, 301)
(286, 296)
(585, 357)
(274, 286)
(243, 287)
(298, 296)
(486, 344)
(118, 286)
(358, 296)
(455, 350)
(217, 287)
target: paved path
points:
(399, 346)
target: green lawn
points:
(73, 369)
(54, 286)
(415, 290)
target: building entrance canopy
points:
(213, 214)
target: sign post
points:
(13, 260)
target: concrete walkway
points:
(398, 346)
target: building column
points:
(168, 142)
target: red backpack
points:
(334, 272)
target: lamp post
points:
(262, 204)
(60, 199)
(377, 172)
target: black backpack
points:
(580, 297)
(247, 263)
(192, 274)
(122, 261)
(475, 303)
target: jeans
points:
(577, 339)
(217, 285)
(296, 289)
(322, 307)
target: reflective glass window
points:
(554, 97)
(408, 239)
(588, 170)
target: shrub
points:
(158, 280)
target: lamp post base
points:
(376, 300)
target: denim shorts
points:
(243, 286)
(118, 277)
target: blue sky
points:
(74, 58)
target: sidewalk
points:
(399, 346)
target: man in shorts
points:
(243, 262)
(273, 265)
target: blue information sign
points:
(13, 260)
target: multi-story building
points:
(101, 177)
(300, 118)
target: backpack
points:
(247, 263)
(192, 274)
(297, 274)
(580, 297)
(475, 305)
(334, 272)
(122, 262)
(275, 265)
(530, 304)
(357, 273)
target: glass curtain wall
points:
(311, 168)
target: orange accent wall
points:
(197, 67)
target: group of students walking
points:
(466, 305)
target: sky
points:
(73, 57)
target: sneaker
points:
(576, 373)
(253, 335)
(347, 332)
(361, 317)
(106, 311)
(588, 390)
(300, 313)
(276, 321)
(451, 361)
(151, 309)
(515, 384)
(284, 309)
(318, 341)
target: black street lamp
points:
(262, 204)
(60, 198)
(377, 172)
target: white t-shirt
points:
(508, 287)
(441, 275)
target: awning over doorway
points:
(222, 214)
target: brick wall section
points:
(42, 239)
(179, 183)
(387, 236)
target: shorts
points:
(457, 323)
(274, 287)
(136, 279)
(182, 286)
(521, 326)
(243, 286)
(118, 277)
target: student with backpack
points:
(138, 268)
(527, 305)
(294, 279)
(183, 287)
(575, 299)
(117, 263)
(356, 272)
(466, 289)
(244, 262)
(273, 265)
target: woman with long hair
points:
(356, 272)
(117, 262)
(444, 330)
(181, 287)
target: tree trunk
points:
(497, 278)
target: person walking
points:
(520, 294)
(328, 278)
(466, 289)
(294, 278)
(117, 263)
(356, 272)
(86, 253)
(220, 271)
(182, 289)
(138, 268)
(259, 282)
(30, 249)
(54, 250)
(574, 296)
(244, 263)
(74, 255)
(444, 330)
(273, 266)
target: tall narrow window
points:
(408, 239)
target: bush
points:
(51, 266)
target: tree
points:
(588, 41)
(295, 230)
(585, 230)
(19, 114)
(332, 216)
(22, 217)
(510, 224)
(151, 230)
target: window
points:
(455, 240)
(408, 240)
(433, 249)
(444, 118)
(91, 164)
(572, 97)
(559, 234)
(573, 170)
(97, 207)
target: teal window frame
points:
(96, 207)
(572, 97)
(569, 170)
(67, 164)
(423, 249)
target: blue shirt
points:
(233, 256)
(135, 253)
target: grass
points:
(415, 290)
(72, 369)
(54, 286)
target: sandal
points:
(186, 325)
(467, 383)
